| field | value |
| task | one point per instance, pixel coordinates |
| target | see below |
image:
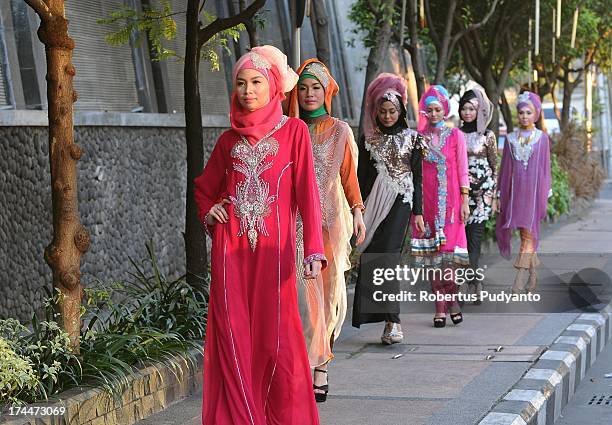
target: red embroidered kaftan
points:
(255, 362)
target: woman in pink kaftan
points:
(445, 200)
(259, 175)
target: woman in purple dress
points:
(524, 189)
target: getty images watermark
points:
(403, 274)
(566, 282)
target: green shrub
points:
(17, 377)
(156, 319)
(46, 348)
(125, 325)
(560, 201)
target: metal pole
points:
(529, 64)
(574, 26)
(296, 47)
(537, 28)
(295, 32)
(558, 31)
(589, 107)
(6, 70)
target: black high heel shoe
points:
(457, 318)
(320, 397)
(439, 322)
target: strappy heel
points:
(439, 322)
(320, 397)
(456, 318)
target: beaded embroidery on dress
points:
(391, 154)
(522, 152)
(252, 201)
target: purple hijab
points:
(524, 185)
(528, 98)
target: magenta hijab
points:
(272, 64)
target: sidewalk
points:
(451, 375)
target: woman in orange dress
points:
(323, 300)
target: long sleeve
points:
(307, 196)
(366, 170)
(545, 184)
(491, 146)
(210, 185)
(503, 234)
(348, 173)
(416, 165)
(462, 160)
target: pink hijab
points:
(382, 85)
(435, 94)
(272, 64)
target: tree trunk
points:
(252, 31)
(70, 238)
(250, 27)
(195, 239)
(415, 49)
(375, 59)
(443, 48)
(568, 90)
(506, 113)
(320, 28)
(196, 37)
(555, 101)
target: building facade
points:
(129, 121)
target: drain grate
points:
(601, 400)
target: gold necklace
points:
(523, 141)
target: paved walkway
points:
(451, 375)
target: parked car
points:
(503, 133)
(550, 118)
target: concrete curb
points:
(148, 391)
(541, 394)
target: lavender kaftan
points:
(524, 185)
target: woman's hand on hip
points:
(218, 214)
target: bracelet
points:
(314, 257)
(464, 191)
(360, 205)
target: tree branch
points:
(448, 26)
(508, 62)
(432, 31)
(221, 24)
(469, 60)
(409, 48)
(490, 56)
(473, 26)
(40, 7)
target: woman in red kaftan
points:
(259, 175)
